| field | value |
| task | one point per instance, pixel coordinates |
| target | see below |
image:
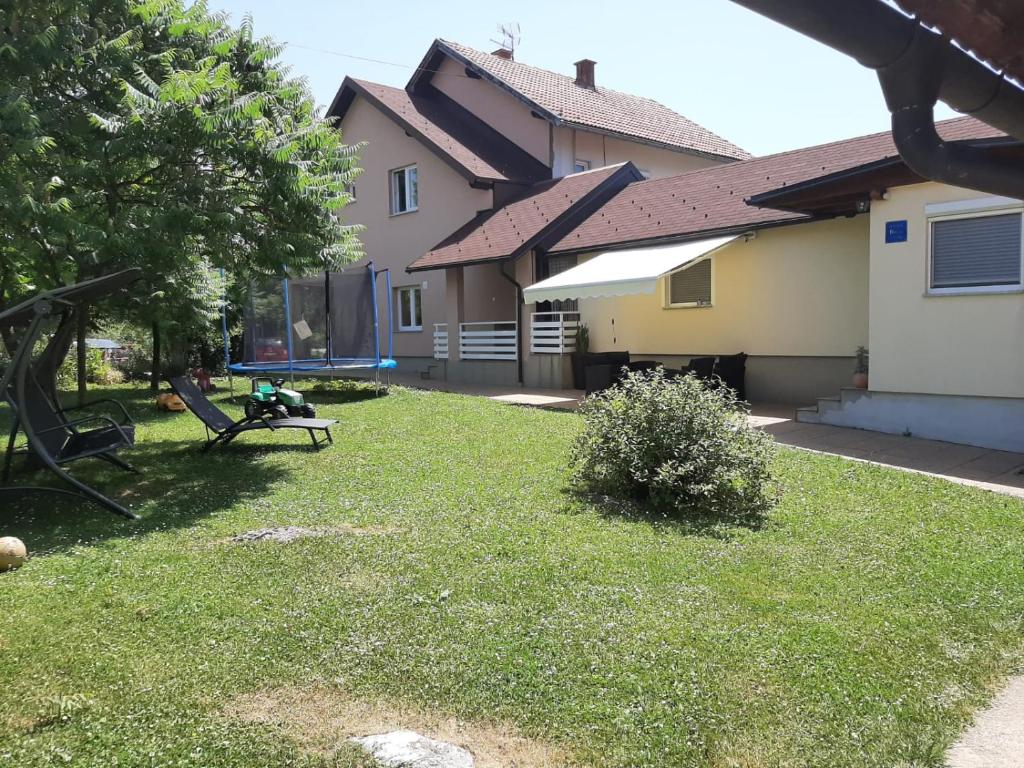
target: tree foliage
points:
(144, 133)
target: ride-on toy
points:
(269, 396)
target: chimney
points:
(585, 73)
(503, 53)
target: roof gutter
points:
(916, 68)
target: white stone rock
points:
(408, 749)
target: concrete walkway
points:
(1000, 471)
(996, 739)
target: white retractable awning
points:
(621, 273)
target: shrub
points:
(97, 370)
(676, 444)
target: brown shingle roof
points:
(712, 199)
(544, 210)
(471, 146)
(599, 109)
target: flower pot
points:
(860, 380)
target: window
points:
(351, 189)
(405, 193)
(691, 286)
(975, 252)
(581, 165)
(549, 266)
(410, 311)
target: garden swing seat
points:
(54, 437)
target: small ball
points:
(12, 553)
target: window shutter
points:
(979, 251)
(691, 285)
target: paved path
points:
(1000, 471)
(996, 739)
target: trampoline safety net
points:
(326, 321)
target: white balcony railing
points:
(488, 341)
(553, 332)
(440, 341)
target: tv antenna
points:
(510, 36)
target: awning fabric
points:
(621, 273)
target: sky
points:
(752, 81)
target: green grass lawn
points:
(860, 625)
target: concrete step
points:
(808, 415)
(814, 414)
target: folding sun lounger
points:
(220, 428)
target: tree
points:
(143, 133)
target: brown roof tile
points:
(712, 199)
(518, 225)
(600, 109)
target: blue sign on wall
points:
(896, 231)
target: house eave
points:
(346, 94)
(687, 237)
(581, 210)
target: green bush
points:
(675, 444)
(97, 370)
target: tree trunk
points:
(82, 352)
(154, 375)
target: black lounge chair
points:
(221, 428)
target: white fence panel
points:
(553, 332)
(440, 341)
(488, 341)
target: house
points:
(796, 259)
(786, 258)
(470, 132)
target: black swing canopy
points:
(54, 435)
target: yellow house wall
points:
(955, 345)
(446, 202)
(800, 290)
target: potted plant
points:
(860, 370)
(579, 356)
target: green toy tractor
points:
(269, 397)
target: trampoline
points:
(320, 325)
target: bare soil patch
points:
(321, 720)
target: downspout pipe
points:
(916, 68)
(519, 320)
(911, 86)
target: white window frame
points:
(412, 199)
(587, 165)
(976, 208)
(415, 302)
(689, 304)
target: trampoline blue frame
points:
(311, 365)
